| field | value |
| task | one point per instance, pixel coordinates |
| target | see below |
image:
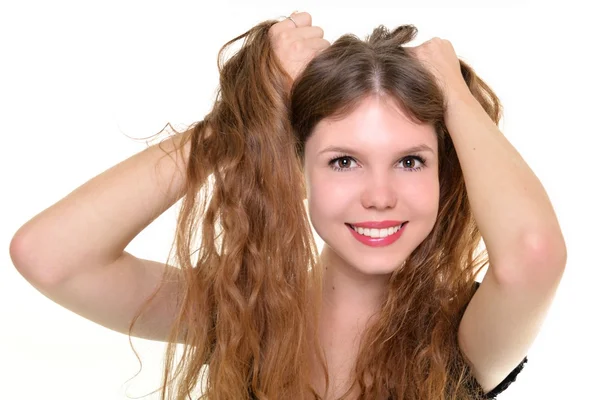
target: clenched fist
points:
(296, 46)
(439, 57)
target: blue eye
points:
(333, 163)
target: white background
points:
(76, 78)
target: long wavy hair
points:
(249, 311)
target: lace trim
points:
(502, 386)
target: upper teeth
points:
(376, 233)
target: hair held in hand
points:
(253, 281)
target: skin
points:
(376, 184)
(527, 251)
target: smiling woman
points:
(383, 180)
(390, 309)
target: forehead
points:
(377, 123)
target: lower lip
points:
(377, 242)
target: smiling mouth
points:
(354, 227)
(377, 232)
(377, 237)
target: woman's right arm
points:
(74, 251)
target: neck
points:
(347, 290)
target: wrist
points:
(458, 98)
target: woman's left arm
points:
(512, 210)
(526, 248)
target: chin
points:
(379, 269)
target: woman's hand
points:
(438, 56)
(296, 46)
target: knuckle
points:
(285, 35)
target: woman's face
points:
(376, 181)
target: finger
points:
(301, 19)
(309, 32)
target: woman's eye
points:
(410, 165)
(341, 163)
(344, 163)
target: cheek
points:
(424, 192)
(328, 204)
(429, 204)
(331, 198)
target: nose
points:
(379, 192)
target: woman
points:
(374, 135)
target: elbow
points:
(547, 250)
(534, 260)
(545, 257)
(27, 261)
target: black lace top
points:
(502, 386)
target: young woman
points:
(397, 152)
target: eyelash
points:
(339, 157)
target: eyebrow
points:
(413, 149)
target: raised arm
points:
(73, 252)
